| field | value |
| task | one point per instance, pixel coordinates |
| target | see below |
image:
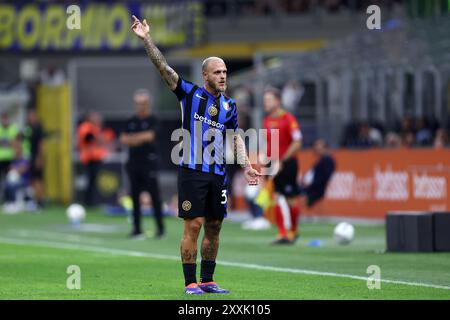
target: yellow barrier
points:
(54, 108)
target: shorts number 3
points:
(224, 195)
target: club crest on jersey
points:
(226, 106)
(212, 110)
(186, 205)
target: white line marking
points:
(50, 235)
(81, 247)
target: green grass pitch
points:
(36, 249)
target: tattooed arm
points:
(142, 30)
(240, 152)
(251, 175)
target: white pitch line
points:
(81, 247)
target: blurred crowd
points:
(21, 164)
(270, 7)
(94, 143)
(409, 132)
(291, 95)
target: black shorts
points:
(286, 181)
(201, 194)
(314, 197)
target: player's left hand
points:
(251, 175)
(141, 29)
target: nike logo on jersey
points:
(198, 96)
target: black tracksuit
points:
(323, 170)
(142, 168)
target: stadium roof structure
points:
(408, 44)
(248, 49)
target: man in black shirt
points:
(34, 134)
(140, 136)
(320, 175)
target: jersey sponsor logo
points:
(199, 148)
(212, 110)
(210, 122)
(186, 205)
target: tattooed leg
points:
(210, 243)
(188, 248)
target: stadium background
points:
(381, 98)
(347, 76)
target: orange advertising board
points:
(369, 183)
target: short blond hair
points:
(206, 62)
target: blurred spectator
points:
(34, 136)
(362, 136)
(291, 95)
(406, 125)
(109, 138)
(52, 76)
(367, 136)
(424, 135)
(393, 140)
(375, 136)
(8, 132)
(272, 7)
(408, 133)
(315, 181)
(17, 180)
(441, 140)
(91, 146)
(409, 140)
(350, 135)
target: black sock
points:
(189, 270)
(207, 271)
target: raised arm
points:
(142, 30)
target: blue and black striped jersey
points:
(206, 118)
